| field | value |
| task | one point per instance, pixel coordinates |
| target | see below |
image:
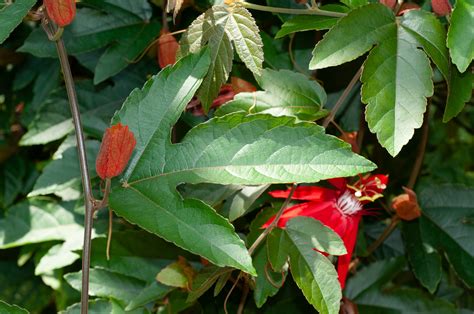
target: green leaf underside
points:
(286, 93)
(217, 28)
(11, 309)
(396, 81)
(426, 264)
(277, 248)
(314, 274)
(459, 92)
(447, 217)
(234, 149)
(12, 15)
(353, 35)
(461, 34)
(263, 287)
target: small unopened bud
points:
(61, 12)
(441, 7)
(406, 205)
(115, 151)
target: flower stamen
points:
(348, 204)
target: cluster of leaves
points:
(193, 198)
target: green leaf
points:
(306, 232)
(36, 221)
(316, 277)
(152, 292)
(286, 93)
(277, 248)
(101, 306)
(119, 55)
(431, 35)
(459, 92)
(353, 35)
(62, 173)
(218, 27)
(373, 276)
(396, 81)
(425, 262)
(354, 3)
(241, 202)
(446, 218)
(11, 16)
(107, 284)
(11, 309)
(263, 287)
(314, 273)
(204, 281)
(12, 177)
(233, 149)
(302, 23)
(461, 35)
(54, 121)
(175, 274)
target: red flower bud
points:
(389, 3)
(61, 12)
(115, 151)
(167, 48)
(441, 7)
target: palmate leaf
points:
(234, 149)
(397, 75)
(218, 27)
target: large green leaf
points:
(11, 16)
(12, 175)
(425, 262)
(447, 223)
(461, 34)
(102, 306)
(396, 81)
(285, 93)
(217, 27)
(150, 293)
(314, 273)
(353, 35)
(233, 149)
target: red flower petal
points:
(349, 237)
(115, 151)
(307, 193)
(338, 183)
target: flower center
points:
(348, 204)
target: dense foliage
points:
(279, 157)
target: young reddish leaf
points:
(115, 151)
(239, 85)
(61, 12)
(406, 205)
(167, 48)
(226, 94)
(441, 7)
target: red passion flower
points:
(115, 151)
(340, 209)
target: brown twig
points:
(109, 234)
(89, 201)
(243, 298)
(230, 292)
(272, 225)
(342, 98)
(270, 280)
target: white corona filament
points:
(348, 204)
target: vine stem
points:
(90, 203)
(311, 11)
(342, 98)
(273, 224)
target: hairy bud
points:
(61, 12)
(115, 151)
(167, 48)
(441, 7)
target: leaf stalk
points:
(310, 11)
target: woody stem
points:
(311, 11)
(81, 151)
(273, 224)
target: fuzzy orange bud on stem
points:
(441, 7)
(167, 49)
(406, 205)
(61, 12)
(115, 151)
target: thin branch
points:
(421, 150)
(272, 225)
(230, 292)
(312, 11)
(109, 234)
(81, 151)
(342, 98)
(243, 299)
